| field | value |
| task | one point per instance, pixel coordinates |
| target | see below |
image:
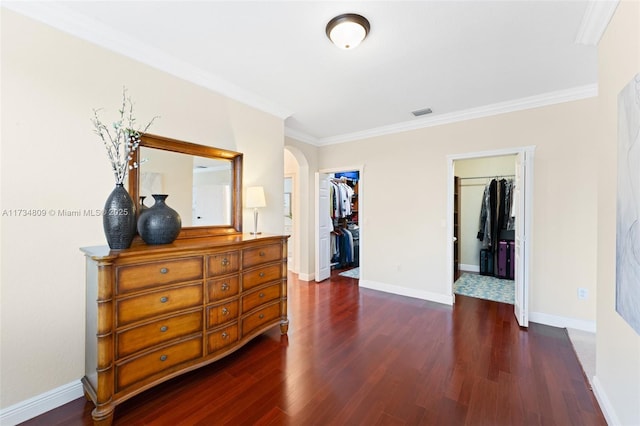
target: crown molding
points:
(68, 21)
(595, 21)
(301, 136)
(537, 101)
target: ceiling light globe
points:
(347, 35)
(347, 31)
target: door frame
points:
(360, 170)
(525, 261)
(294, 266)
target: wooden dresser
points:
(155, 312)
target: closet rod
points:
(342, 179)
(487, 177)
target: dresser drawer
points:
(223, 263)
(138, 277)
(157, 303)
(222, 338)
(260, 317)
(157, 361)
(222, 288)
(264, 254)
(152, 334)
(260, 297)
(261, 276)
(224, 312)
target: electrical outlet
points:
(583, 293)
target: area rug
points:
(351, 273)
(485, 287)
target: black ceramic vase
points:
(119, 218)
(159, 224)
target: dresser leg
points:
(284, 326)
(102, 418)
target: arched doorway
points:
(296, 167)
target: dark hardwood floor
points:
(355, 356)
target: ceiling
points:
(462, 59)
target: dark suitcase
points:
(486, 262)
(502, 271)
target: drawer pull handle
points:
(261, 274)
(163, 358)
(225, 311)
(224, 335)
(261, 316)
(262, 254)
(164, 299)
(225, 287)
(225, 261)
(164, 270)
(261, 295)
(164, 328)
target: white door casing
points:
(524, 216)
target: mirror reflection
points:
(199, 188)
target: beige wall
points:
(405, 176)
(617, 381)
(52, 160)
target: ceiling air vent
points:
(420, 112)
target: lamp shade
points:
(255, 197)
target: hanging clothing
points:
(496, 212)
(342, 248)
(485, 213)
(340, 195)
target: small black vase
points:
(142, 205)
(119, 218)
(159, 224)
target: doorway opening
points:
(338, 223)
(288, 218)
(484, 228)
(299, 245)
(520, 239)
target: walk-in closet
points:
(484, 227)
(343, 209)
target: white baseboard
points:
(469, 268)
(306, 277)
(409, 292)
(39, 404)
(562, 322)
(605, 405)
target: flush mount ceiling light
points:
(348, 30)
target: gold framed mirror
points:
(204, 184)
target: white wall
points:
(617, 381)
(470, 200)
(52, 160)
